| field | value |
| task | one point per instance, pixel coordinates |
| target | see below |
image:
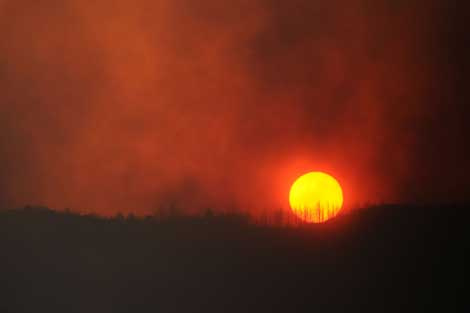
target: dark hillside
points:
(381, 259)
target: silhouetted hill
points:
(380, 259)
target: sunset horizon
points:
(234, 156)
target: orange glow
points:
(316, 197)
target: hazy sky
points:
(133, 105)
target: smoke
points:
(131, 106)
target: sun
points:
(316, 197)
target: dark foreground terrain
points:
(381, 259)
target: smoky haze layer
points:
(136, 105)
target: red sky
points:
(128, 106)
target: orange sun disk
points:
(316, 197)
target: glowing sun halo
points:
(316, 197)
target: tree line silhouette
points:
(386, 258)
